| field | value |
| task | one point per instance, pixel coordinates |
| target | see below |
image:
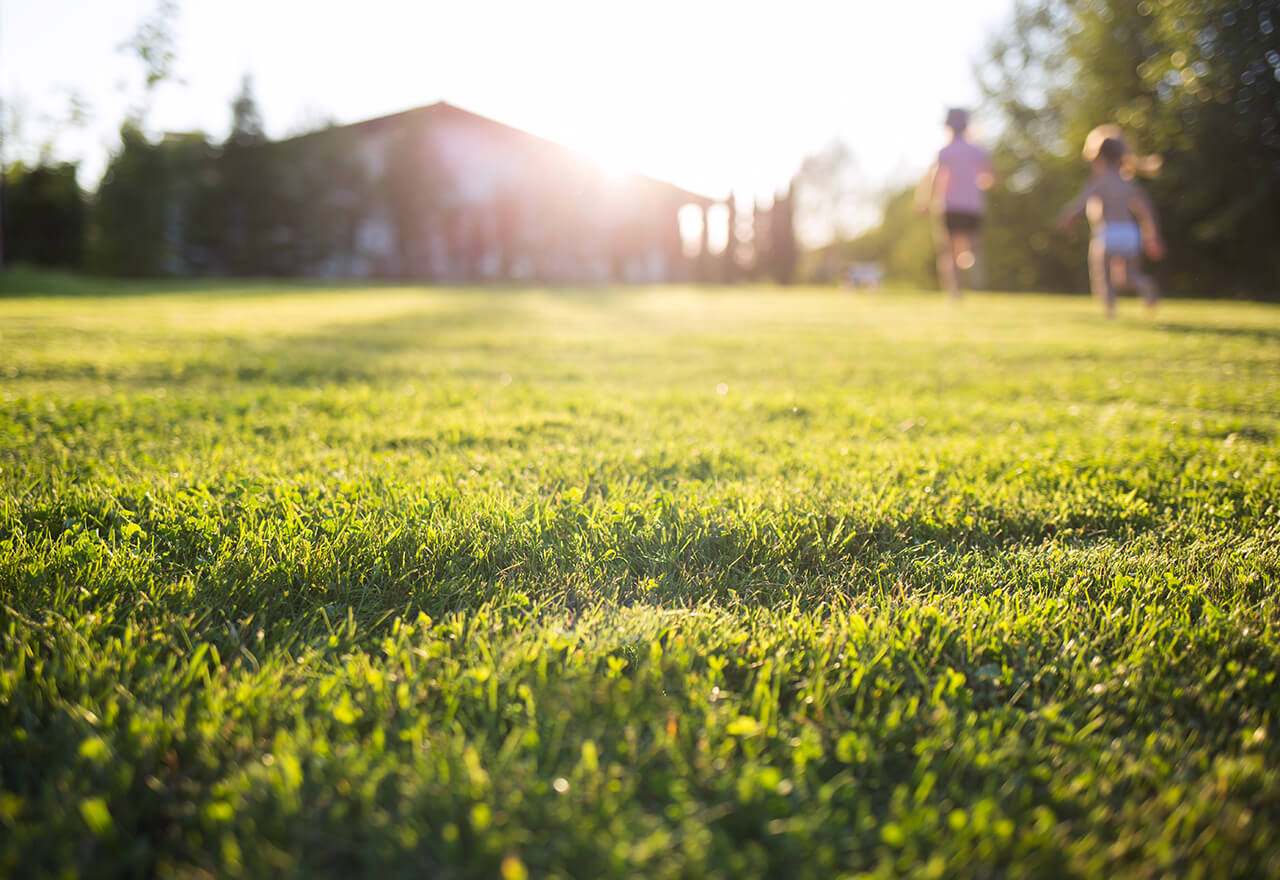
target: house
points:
(443, 194)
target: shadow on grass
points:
(20, 282)
(341, 353)
(461, 322)
(451, 555)
(1253, 334)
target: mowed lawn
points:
(739, 582)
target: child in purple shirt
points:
(955, 188)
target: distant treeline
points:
(184, 205)
(1196, 81)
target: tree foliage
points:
(830, 195)
(159, 208)
(901, 243)
(783, 253)
(129, 209)
(248, 190)
(153, 43)
(45, 216)
(730, 270)
(247, 128)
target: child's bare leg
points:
(977, 275)
(963, 250)
(1099, 277)
(1145, 285)
(947, 273)
(1119, 268)
(946, 261)
(961, 257)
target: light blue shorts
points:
(1122, 239)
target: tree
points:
(129, 209)
(247, 129)
(729, 258)
(761, 241)
(153, 44)
(156, 211)
(46, 216)
(782, 244)
(194, 234)
(830, 196)
(140, 215)
(41, 185)
(249, 200)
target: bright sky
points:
(711, 95)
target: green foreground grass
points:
(749, 582)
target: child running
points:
(955, 187)
(1121, 218)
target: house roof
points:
(445, 110)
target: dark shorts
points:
(961, 221)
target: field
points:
(323, 581)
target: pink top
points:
(956, 186)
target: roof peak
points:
(444, 107)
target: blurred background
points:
(577, 142)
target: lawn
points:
(327, 581)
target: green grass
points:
(742, 582)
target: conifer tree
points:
(782, 236)
(729, 259)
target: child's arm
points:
(924, 192)
(1142, 209)
(986, 175)
(1072, 209)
